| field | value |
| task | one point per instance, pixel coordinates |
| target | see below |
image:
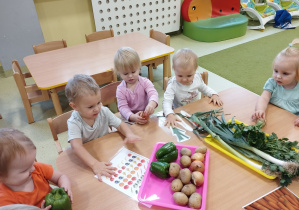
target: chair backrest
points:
(18, 74)
(59, 125)
(105, 77)
(99, 35)
(159, 36)
(108, 93)
(204, 75)
(48, 46)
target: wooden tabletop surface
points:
(54, 68)
(231, 185)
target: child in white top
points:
(137, 97)
(184, 88)
(91, 120)
(283, 88)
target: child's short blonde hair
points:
(126, 59)
(80, 85)
(292, 51)
(12, 143)
(183, 58)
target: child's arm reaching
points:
(127, 132)
(150, 108)
(61, 180)
(296, 123)
(99, 168)
(261, 106)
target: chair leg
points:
(0, 116)
(150, 72)
(28, 111)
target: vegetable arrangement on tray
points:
(277, 156)
(188, 178)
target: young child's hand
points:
(43, 206)
(66, 185)
(216, 100)
(258, 114)
(171, 120)
(103, 168)
(150, 108)
(296, 123)
(132, 138)
(138, 118)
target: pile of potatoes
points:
(189, 177)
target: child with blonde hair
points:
(91, 120)
(22, 180)
(137, 97)
(282, 89)
(184, 88)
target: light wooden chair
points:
(99, 35)
(163, 38)
(108, 93)
(48, 46)
(204, 75)
(105, 77)
(59, 125)
(29, 93)
(0, 116)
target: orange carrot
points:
(279, 192)
(270, 198)
(282, 207)
(287, 192)
(274, 205)
(286, 203)
(291, 200)
(263, 203)
(259, 206)
(275, 194)
(250, 208)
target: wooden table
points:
(51, 70)
(230, 184)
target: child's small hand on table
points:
(103, 168)
(171, 120)
(216, 100)
(132, 138)
(296, 123)
(258, 114)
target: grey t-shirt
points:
(79, 129)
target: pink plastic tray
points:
(156, 191)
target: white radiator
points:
(126, 16)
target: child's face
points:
(88, 105)
(184, 75)
(20, 169)
(284, 72)
(130, 76)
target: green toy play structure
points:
(213, 20)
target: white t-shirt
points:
(79, 129)
(177, 95)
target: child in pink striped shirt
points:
(137, 97)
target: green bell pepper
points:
(58, 199)
(167, 153)
(160, 169)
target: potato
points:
(180, 198)
(188, 189)
(185, 161)
(174, 169)
(201, 149)
(195, 201)
(186, 151)
(185, 175)
(176, 185)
